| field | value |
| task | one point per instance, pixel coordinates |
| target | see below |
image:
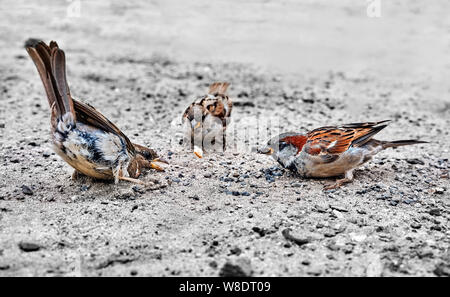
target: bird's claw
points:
(332, 186)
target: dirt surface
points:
(235, 213)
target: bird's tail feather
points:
(397, 143)
(50, 62)
(218, 87)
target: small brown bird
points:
(206, 119)
(330, 151)
(81, 135)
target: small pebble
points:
(439, 191)
(26, 190)
(415, 161)
(416, 225)
(195, 197)
(29, 246)
(435, 212)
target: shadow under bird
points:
(330, 151)
(206, 120)
(81, 135)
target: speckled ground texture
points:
(235, 213)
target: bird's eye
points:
(282, 145)
(146, 155)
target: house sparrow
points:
(330, 151)
(206, 119)
(81, 135)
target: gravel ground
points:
(235, 213)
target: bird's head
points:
(284, 147)
(150, 156)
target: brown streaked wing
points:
(329, 140)
(89, 115)
(336, 140)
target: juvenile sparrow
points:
(81, 135)
(206, 119)
(330, 151)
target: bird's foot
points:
(76, 175)
(154, 185)
(339, 183)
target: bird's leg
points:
(224, 144)
(75, 175)
(118, 175)
(132, 180)
(192, 139)
(340, 182)
(156, 183)
(148, 186)
(224, 136)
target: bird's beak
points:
(154, 165)
(197, 125)
(265, 150)
(161, 160)
(198, 152)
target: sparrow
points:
(330, 151)
(81, 135)
(206, 119)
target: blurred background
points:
(395, 38)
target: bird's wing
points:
(330, 142)
(87, 114)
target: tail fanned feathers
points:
(397, 143)
(51, 64)
(218, 88)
